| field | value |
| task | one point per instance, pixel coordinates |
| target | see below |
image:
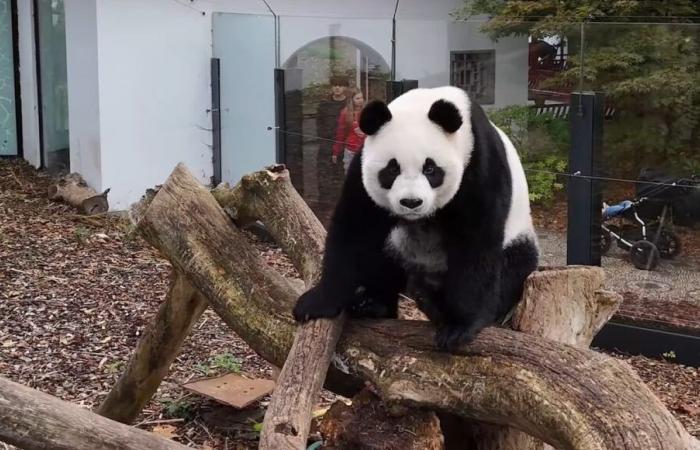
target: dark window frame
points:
(490, 97)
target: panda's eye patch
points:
(389, 173)
(433, 173)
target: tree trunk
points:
(30, 419)
(72, 189)
(156, 350)
(269, 196)
(565, 305)
(569, 397)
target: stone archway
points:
(308, 148)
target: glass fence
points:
(645, 158)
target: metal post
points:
(216, 119)
(280, 147)
(584, 196)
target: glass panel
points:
(650, 162)
(54, 84)
(245, 45)
(8, 112)
(329, 62)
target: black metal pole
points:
(216, 119)
(584, 196)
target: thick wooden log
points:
(568, 397)
(156, 350)
(565, 305)
(73, 189)
(269, 196)
(30, 419)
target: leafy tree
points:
(646, 62)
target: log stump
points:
(73, 190)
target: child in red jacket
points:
(349, 138)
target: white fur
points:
(410, 137)
(519, 220)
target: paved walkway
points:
(673, 280)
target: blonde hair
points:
(350, 106)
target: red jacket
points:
(347, 138)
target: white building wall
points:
(511, 60)
(139, 82)
(83, 88)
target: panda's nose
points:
(412, 203)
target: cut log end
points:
(73, 190)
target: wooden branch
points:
(73, 189)
(570, 398)
(156, 350)
(269, 196)
(30, 419)
(565, 305)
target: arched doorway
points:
(312, 111)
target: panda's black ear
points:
(373, 116)
(446, 115)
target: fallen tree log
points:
(565, 305)
(73, 189)
(568, 397)
(269, 196)
(30, 419)
(156, 350)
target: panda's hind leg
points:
(520, 259)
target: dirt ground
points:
(77, 292)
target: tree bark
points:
(569, 397)
(156, 350)
(565, 305)
(72, 189)
(30, 419)
(269, 196)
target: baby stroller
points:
(644, 226)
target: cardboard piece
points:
(232, 389)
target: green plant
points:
(114, 367)
(669, 354)
(225, 362)
(178, 409)
(81, 235)
(542, 142)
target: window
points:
(475, 72)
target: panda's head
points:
(416, 150)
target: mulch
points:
(77, 292)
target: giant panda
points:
(436, 204)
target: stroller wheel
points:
(645, 255)
(669, 244)
(605, 242)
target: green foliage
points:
(648, 71)
(178, 409)
(542, 143)
(81, 235)
(669, 354)
(114, 367)
(225, 362)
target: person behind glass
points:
(349, 139)
(326, 120)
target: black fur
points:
(446, 115)
(482, 282)
(388, 174)
(373, 116)
(433, 173)
(357, 274)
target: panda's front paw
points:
(311, 305)
(452, 337)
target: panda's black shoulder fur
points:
(481, 205)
